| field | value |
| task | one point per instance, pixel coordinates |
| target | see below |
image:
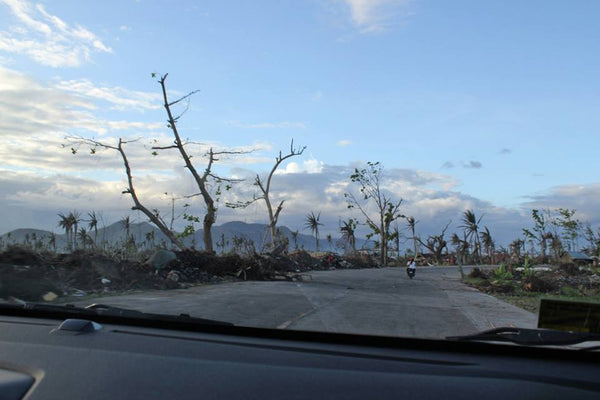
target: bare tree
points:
(137, 205)
(593, 239)
(370, 180)
(436, 244)
(202, 180)
(265, 191)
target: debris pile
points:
(44, 276)
(561, 280)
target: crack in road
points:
(316, 304)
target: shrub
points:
(502, 274)
(528, 271)
(569, 291)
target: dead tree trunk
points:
(153, 216)
(201, 180)
(265, 189)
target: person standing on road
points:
(411, 267)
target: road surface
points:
(379, 301)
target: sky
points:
(489, 106)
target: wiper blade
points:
(540, 337)
(102, 310)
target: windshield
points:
(391, 167)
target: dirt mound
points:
(31, 276)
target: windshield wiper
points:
(539, 337)
(100, 310)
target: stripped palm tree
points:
(488, 244)
(312, 223)
(75, 218)
(84, 237)
(150, 239)
(66, 223)
(93, 224)
(52, 241)
(347, 229)
(126, 223)
(515, 248)
(412, 222)
(471, 229)
(295, 239)
(461, 247)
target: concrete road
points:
(372, 301)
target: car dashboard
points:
(104, 359)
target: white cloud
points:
(47, 39)
(310, 166)
(35, 118)
(120, 98)
(343, 143)
(585, 199)
(309, 186)
(374, 15)
(426, 195)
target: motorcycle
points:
(411, 272)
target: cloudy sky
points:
(490, 106)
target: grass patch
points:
(527, 301)
(477, 281)
(530, 301)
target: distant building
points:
(575, 257)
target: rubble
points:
(32, 276)
(548, 280)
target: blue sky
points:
(493, 106)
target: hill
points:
(145, 235)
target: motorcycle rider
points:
(411, 267)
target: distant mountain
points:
(147, 235)
(112, 235)
(259, 234)
(34, 238)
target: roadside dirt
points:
(28, 275)
(565, 279)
